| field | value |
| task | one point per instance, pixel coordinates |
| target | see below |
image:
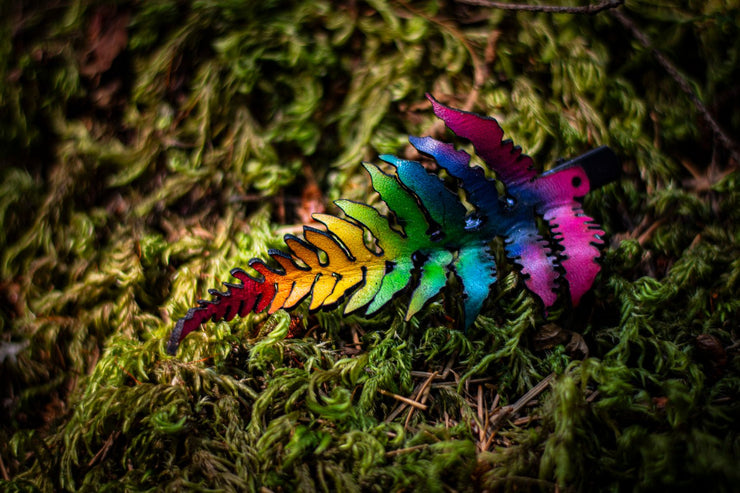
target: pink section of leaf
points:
(579, 237)
(532, 253)
(507, 160)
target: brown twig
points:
(394, 414)
(498, 418)
(524, 420)
(489, 441)
(533, 392)
(104, 449)
(704, 182)
(448, 366)
(483, 418)
(127, 372)
(669, 67)
(424, 390)
(523, 400)
(405, 400)
(3, 471)
(645, 236)
(421, 396)
(406, 450)
(554, 9)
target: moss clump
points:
(150, 147)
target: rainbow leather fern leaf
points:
(432, 234)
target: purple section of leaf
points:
(527, 248)
(480, 191)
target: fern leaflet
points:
(432, 233)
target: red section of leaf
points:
(239, 299)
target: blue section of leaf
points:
(476, 268)
(443, 206)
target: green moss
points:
(129, 189)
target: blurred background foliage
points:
(148, 147)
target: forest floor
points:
(150, 147)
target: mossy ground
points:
(149, 147)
